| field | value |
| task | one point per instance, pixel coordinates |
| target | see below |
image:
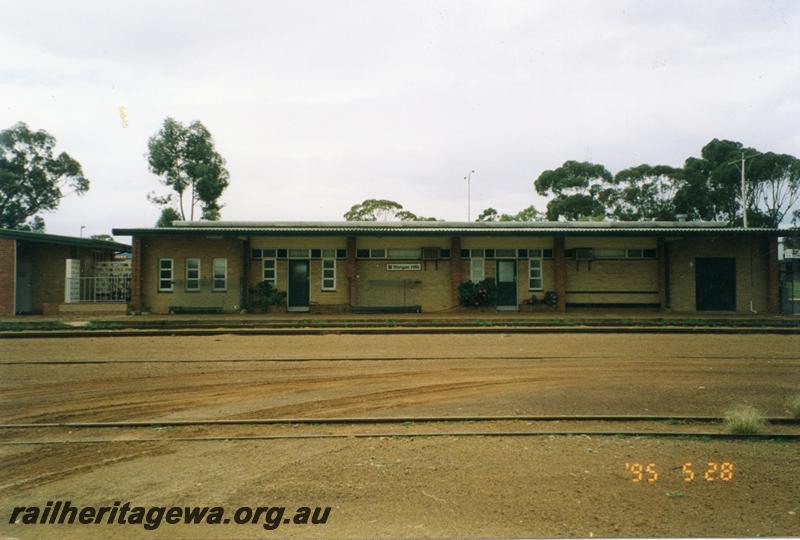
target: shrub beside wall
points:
(480, 294)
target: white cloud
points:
(319, 105)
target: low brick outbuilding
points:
(33, 267)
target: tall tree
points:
(168, 215)
(488, 214)
(527, 214)
(32, 179)
(186, 160)
(382, 210)
(775, 181)
(712, 184)
(645, 193)
(580, 190)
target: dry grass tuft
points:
(794, 406)
(744, 420)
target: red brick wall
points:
(560, 273)
(8, 277)
(351, 270)
(773, 277)
(48, 271)
(136, 274)
(455, 269)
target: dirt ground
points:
(421, 486)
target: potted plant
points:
(530, 304)
(550, 298)
(268, 298)
(482, 294)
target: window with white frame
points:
(165, 275)
(535, 274)
(477, 270)
(270, 272)
(328, 274)
(220, 275)
(192, 274)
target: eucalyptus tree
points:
(579, 190)
(187, 162)
(645, 193)
(382, 210)
(526, 214)
(32, 178)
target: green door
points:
(298, 286)
(715, 283)
(24, 286)
(507, 285)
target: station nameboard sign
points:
(403, 266)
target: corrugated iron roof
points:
(93, 243)
(394, 225)
(539, 228)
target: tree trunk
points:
(180, 200)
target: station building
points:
(418, 266)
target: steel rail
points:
(672, 434)
(567, 329)
(385, 420)
(326, 359)
(375, 359)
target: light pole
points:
(469, 207)
(82, 227)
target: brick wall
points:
(630, 281)
(751, 270)
(428, 287)
(516, 242)
(317, 297)
(180, 249)
(560, 274)
(48, 268)
(136, 274)
(378, 286)
(611, 281)
(8, 275)
(456, 269)
(773, 275)
(523, 290)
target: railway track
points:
(777, 420)
(370, 359)
(406, 435)
(397, 330)
(397, 422)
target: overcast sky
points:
(319, 105)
